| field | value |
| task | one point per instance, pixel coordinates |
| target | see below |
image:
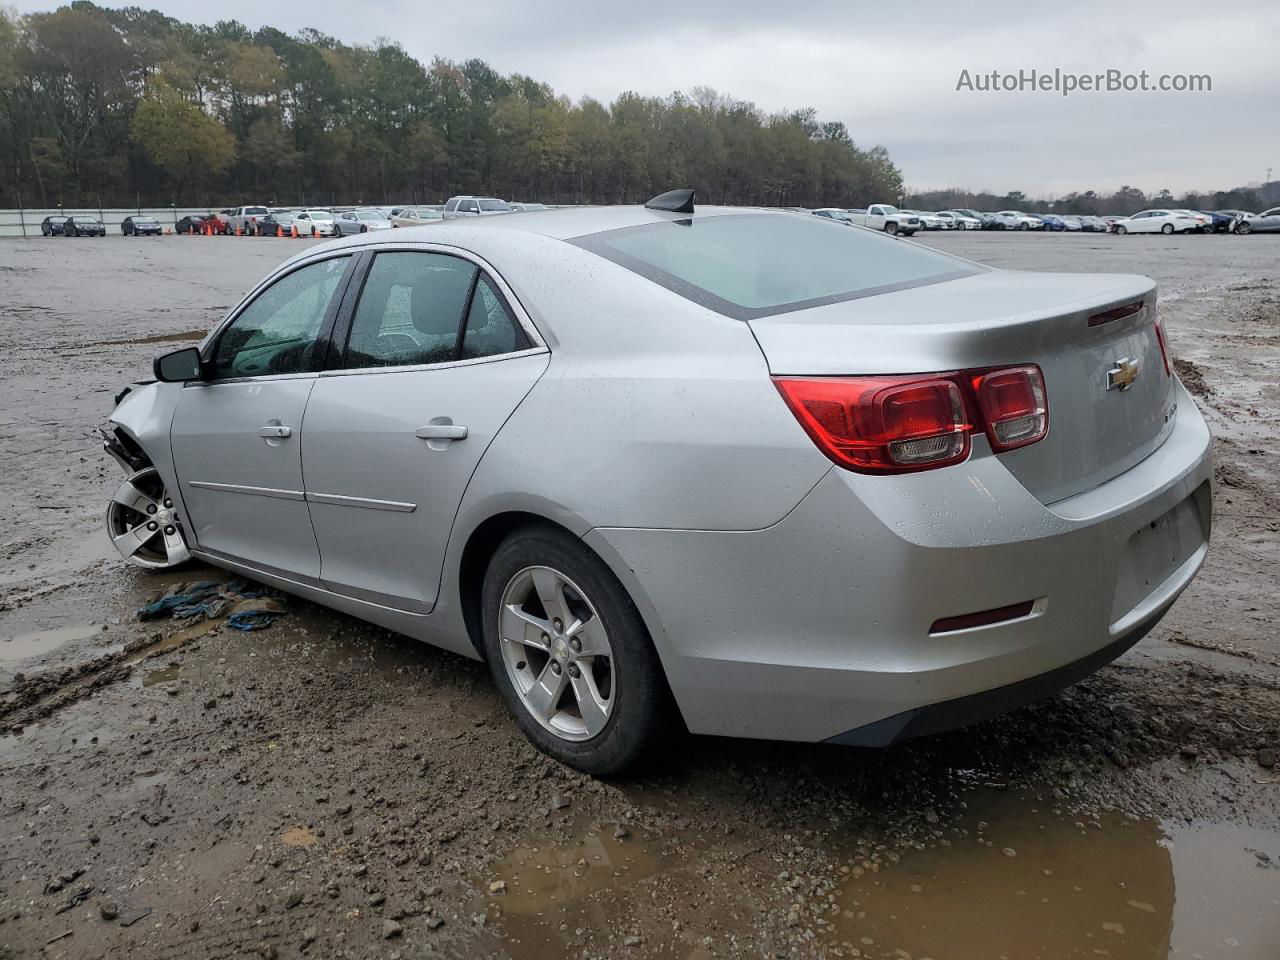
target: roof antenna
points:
(673, 201)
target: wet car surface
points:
(323, 786)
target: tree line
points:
(117, 107)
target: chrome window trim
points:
(264, 378)
(444, 365)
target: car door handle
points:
(275, 431)
(441, 431)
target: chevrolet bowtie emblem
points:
(1122, 375)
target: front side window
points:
(469, 206)
(755, 265)
(410, 310)
(278, 332)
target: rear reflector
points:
(900, 424)
(983, 618)
(1116, 313)
(1164, 349)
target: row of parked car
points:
(325, 222)
(264, 221)
(891, 219)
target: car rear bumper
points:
(824, 623)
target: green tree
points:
(180, 137)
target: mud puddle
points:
(1013, 878)
(550, 898)
(42, 642)
(158, 338)
(1009, 877)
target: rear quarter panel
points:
(653, 412)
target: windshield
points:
(84, 219)
(255, 211)
(319, 215)
(144, 219)
(755, 265)
(494, 205)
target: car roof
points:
(478, 234)
(569, 222)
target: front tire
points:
(1167, 229)
(570, 654)
(143, 525)
(1121, 231)
(1244, 228)
(891, 229)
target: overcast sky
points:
(889, 71)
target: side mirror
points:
(179, 366)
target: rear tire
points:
(528, 643)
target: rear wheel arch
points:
(481, 545)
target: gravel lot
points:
(324, 788)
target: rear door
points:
(236, 433)
(435, 361)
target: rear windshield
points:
(756, 265)
(254, 211)
(494, 205)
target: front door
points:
(236, 432)
(434, 365)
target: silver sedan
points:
(762, 475)
(360, 221)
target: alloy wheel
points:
(556, 652)
(143, 525)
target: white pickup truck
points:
(246, 218)
(886, 217)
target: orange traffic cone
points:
(293, 231)
(279, 231)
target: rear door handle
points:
(441, 431)
(275, 431)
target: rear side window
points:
(410, 310)
(756, 265)
(491, 330)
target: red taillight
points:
(882, 424)
(1013, 405)
(900, 424)
(1164, 350)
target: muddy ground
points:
(326, 789)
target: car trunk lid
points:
(1097, 429)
